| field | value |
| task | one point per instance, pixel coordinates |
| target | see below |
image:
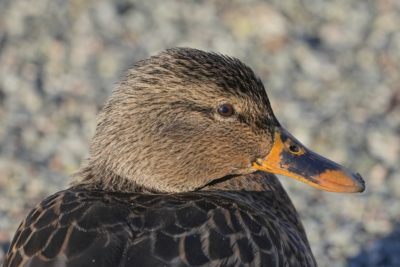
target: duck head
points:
(185, 118)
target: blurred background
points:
(331, 69)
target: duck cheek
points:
(241, 154)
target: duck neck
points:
(94, 178)
(254, 182)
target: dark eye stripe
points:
(226, 110)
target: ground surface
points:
(331, 70)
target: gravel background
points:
(331, 70)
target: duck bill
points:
(290, 158)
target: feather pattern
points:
(80, 227)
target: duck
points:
(182, 172)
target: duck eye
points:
(226, 110)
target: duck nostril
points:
(294, 149)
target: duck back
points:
(79, 227)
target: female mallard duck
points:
(181, 173)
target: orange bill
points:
(290, 158)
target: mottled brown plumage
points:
(172, 182)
